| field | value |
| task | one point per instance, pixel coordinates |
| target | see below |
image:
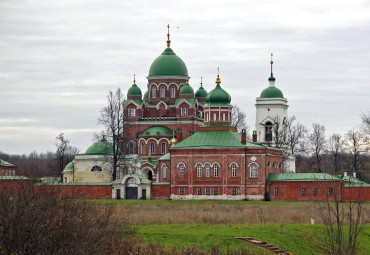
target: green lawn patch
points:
(296, 238)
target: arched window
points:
(150, 175)
(164, 172)
(163, 148)
(253, 171)
(215, 171)
(152, 148)
(181, 170)
(142, 148)
(154, 92)
(96, 169)
(173, 94)
(163, 92)
(208, 170)
(214, 116)
(199, 170)
(268, 132)
(184, 111)
(233, 170)
(131, 148)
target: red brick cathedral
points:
(185, 142)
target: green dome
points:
(146, 94)
(103, 147)
(218, 96)
(168, 64)
(271, 92)
(201, 92)
(134, 91)
(156, 131)
(186, 89)
(70, 166)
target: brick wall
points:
(81, 191)
(356, 193)
(160, 191)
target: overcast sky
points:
(59, 59)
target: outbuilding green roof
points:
(211, 139)
(271, 92)
(299, 177)
(168, 64)
(165, 157)
(102, 147)
(5, 163)
(156, 131)
(70, 166)
(134, 91)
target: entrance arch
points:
(131, 189)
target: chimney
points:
(345, 173)
(254, 136)
(244, 136)
(179, 135)
(354, 174)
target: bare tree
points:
(335, 148)
(111, 117)
(317, 143)
(296, 136)
(366, 125)
(65, 152)
(356, 146)
(238, 119)
(343, 222)
(280, 133)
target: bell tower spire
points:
(168, 36)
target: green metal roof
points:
(271, 92)
(295, 177)
(69, 167)
(146, 94)
(103, 147)
(134, 91)
(186, 89)
(165, 157)
(190, 100)
(211, 139)
(137, 101)
(201, 92)
(353, 182)
(5, 163)
(13, 177)
(218, 96)
(152, 162)
(168, 64)
(156, 130)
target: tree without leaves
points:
(238, 119)
(335, 148)
(356, 146)
(366, 125)
(111, 117)
(296, 136)
(65, 153)
(317, 142)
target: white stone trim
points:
(233, 163)
(178, 165)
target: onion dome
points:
(134, 90)
(271, 91)
(186, 89)
(70, 166)
(201, 92)
(168, 63)
(218, 96)
(146, 94)
(102, 147)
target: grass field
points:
(296, 238)
(205, 224)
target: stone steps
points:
(264, 245)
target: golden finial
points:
(173, 140)
(149, 155)
(168, 36)
(201, 81)
(218, 80)
(271, 62)
(103, 135)
(134, 79)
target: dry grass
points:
(143, 214)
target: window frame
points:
(208, 191)
(173, 92)
(181, 191)
(163, 148)
(152, 148)
(303, 192)
(154, 92)
(93, 169)
(253, 171)
(181, 170)
(215, 170)
(199, 171)
(276, 192)
(162, 92)
(208, 170)
(330, 191)
(315, 191)
(215, 191)
(233, 170)
(199, 191)
(233, 191)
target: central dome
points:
(168, 64)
